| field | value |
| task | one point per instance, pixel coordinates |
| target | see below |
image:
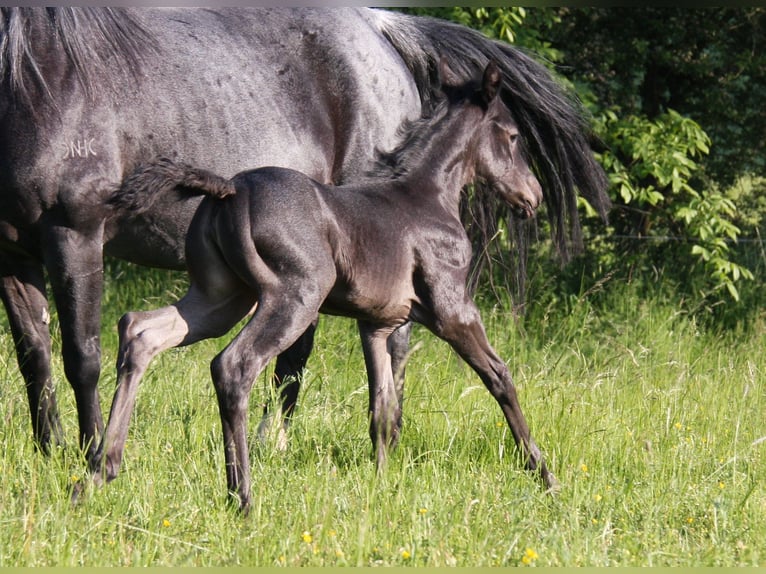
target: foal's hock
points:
(291, 247)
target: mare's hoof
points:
(271, 431)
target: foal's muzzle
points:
(524, 203)
(523, 210)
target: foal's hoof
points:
(552, 486)
(237, 505)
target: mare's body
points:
(88, 94)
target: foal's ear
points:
(490, 83)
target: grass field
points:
(654, 426)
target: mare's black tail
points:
(138, 192)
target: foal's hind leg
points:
(277, 323)
(288, 375)
(143, 335)
(463, 329)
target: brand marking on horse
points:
(79, 148)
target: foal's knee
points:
(134, 348)
(232, 378)
(127, 327)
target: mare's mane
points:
(91, 37)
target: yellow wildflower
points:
(529, 556)
(306, 537)
(165, 523)
(406, 555)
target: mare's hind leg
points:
(74, 260)
(277, 323)
(143, 335)
(462, 328)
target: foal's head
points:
(497, 148)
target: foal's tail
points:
(142, 188)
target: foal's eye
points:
(513, 137)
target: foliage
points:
(706, 63)
(651, 165)
(499, 23)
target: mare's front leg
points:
(75, 267)
(461, 327)
(22, 289)
(142, 336)
(385, 408)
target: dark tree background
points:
(708, 64)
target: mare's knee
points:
(82, 363)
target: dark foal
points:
(291, 248)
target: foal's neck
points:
(447, 163)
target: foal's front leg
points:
(385, 408)
(463, 330)
(288, 374)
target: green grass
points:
(653, 425)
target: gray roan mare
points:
(88, 94)
(385, 252)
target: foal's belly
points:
(377, 305)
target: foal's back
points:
(282, 226)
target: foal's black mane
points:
(412, 135)
(91, 38)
